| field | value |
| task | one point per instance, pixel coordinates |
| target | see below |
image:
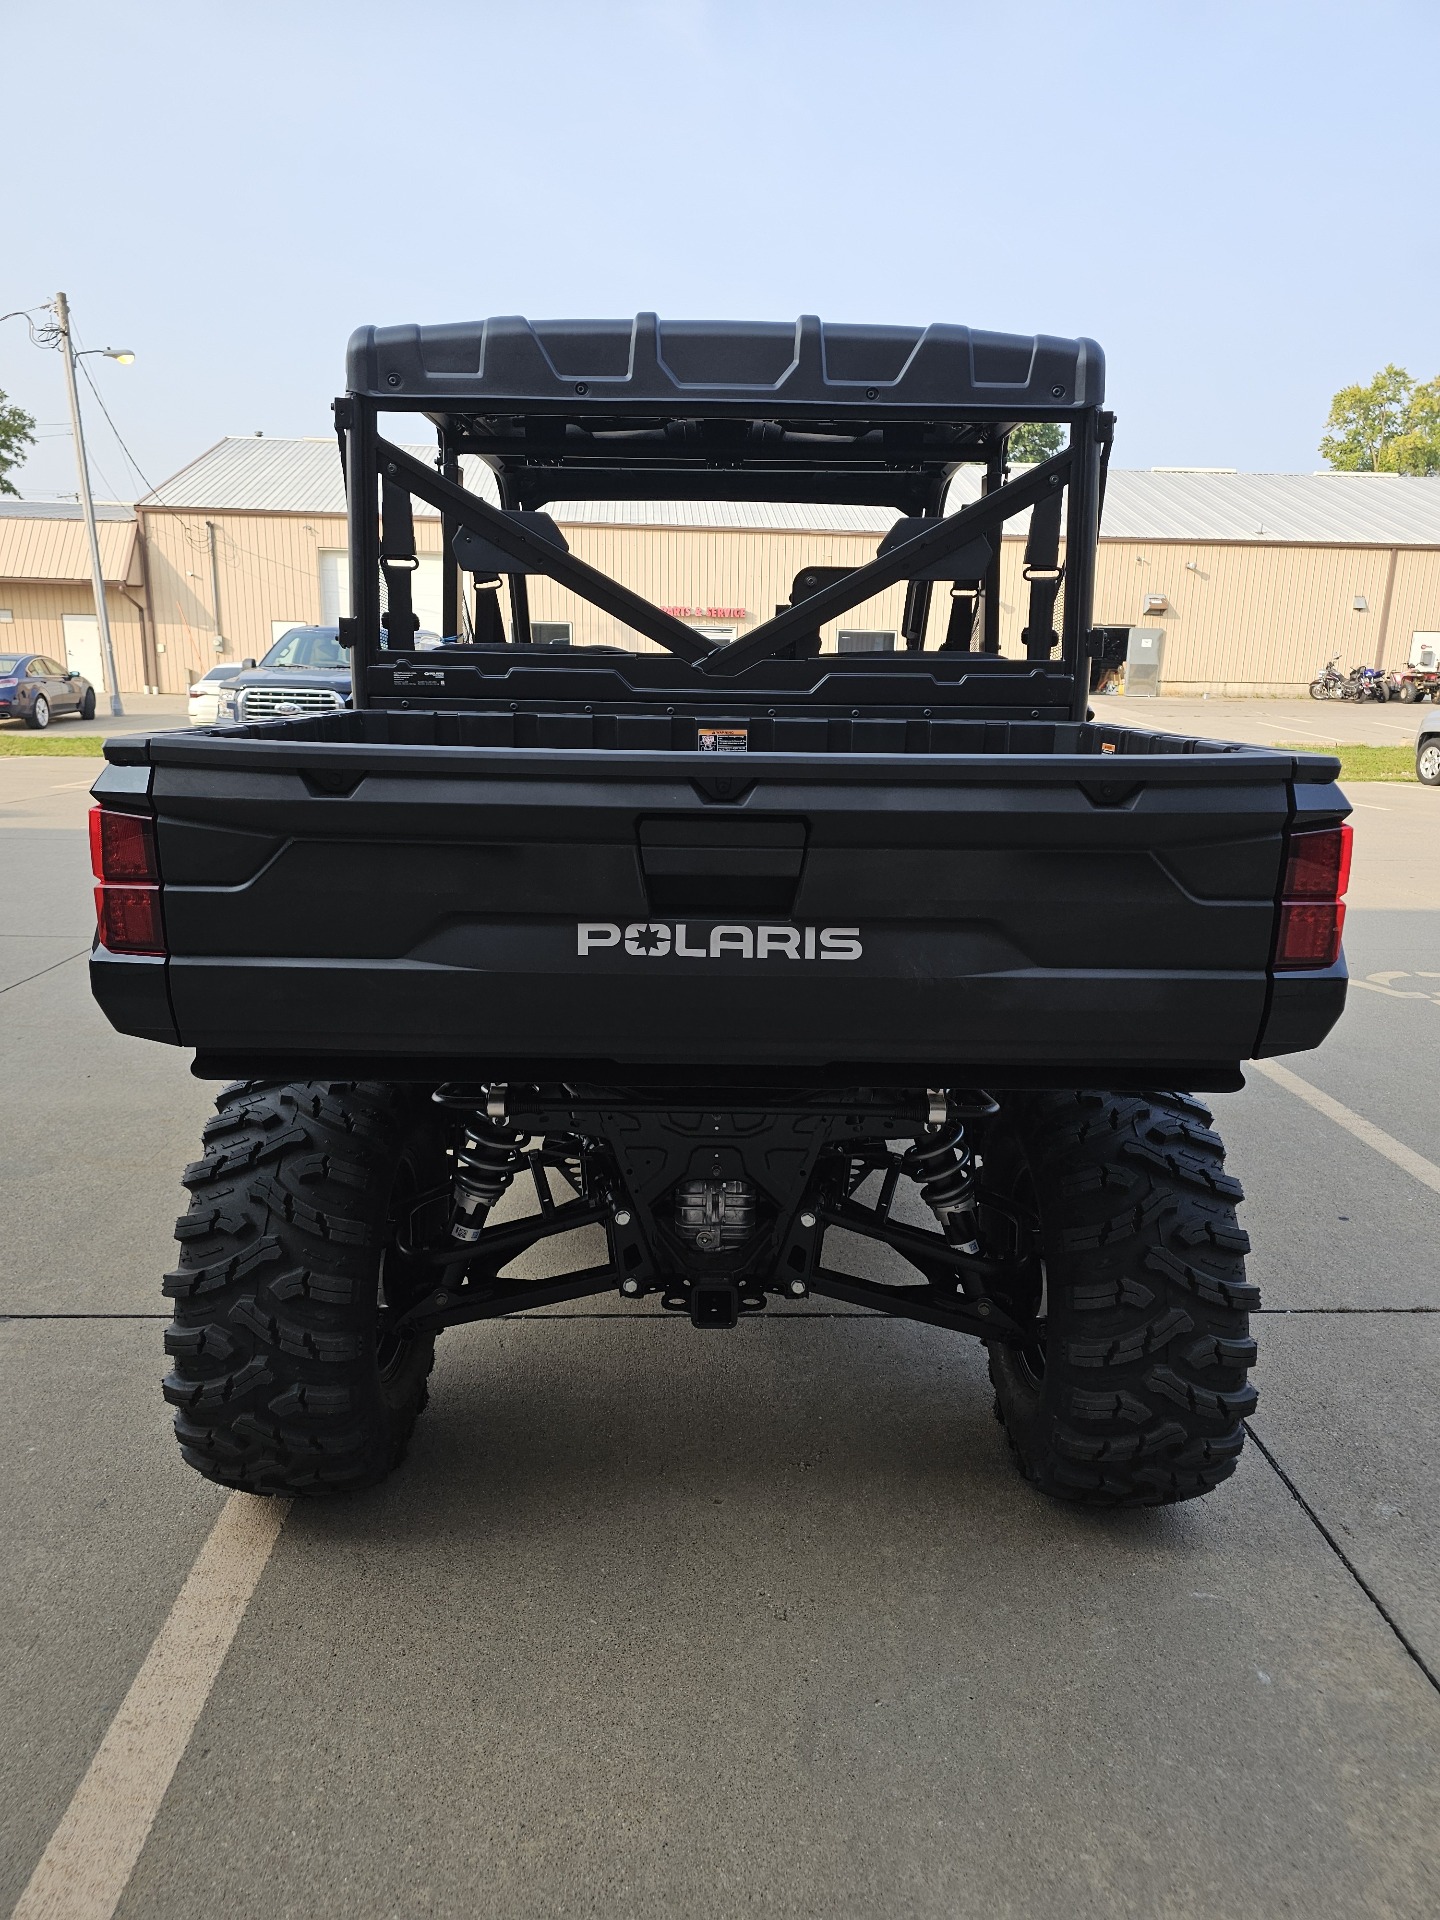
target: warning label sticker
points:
(724, 740)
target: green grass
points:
(1362, 763)
(62, 746)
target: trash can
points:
(1143, 658)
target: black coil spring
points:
(942, 1165)
(484, 1167)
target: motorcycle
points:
(1361, 683)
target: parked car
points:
(34, 688)
(306, 671)
(205, 694)
(1427, 750)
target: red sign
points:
(706, 613)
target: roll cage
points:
(748, 412)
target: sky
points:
(1238, 201)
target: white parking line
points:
(92, 1853)
(1415, 1164)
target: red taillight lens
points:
(1309, 933)
(122, 845)
(127, 902)
(1319, 864)
(1312, 916)
(127, 919)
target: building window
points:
(549, 633)
(861, 640)
(7, 615)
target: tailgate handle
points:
(693, 865)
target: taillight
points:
(122, 845)
(1319, 864)
(127, 901)
(1312, 911)
(128, 919)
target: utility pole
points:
(102, 612)
(215, 585)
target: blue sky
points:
(1238, 201)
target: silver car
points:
(1427, 750)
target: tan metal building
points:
(47, 601)
(1256, 579)
(1253, 580)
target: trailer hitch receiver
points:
(714, 1303)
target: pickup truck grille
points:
(263, 703)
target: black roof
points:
(778, 369)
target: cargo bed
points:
(509, 894)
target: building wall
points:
(1266, 617)
(39, 607)
(1257, 618)
(742, 575)
(268, 569)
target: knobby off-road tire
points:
(1135, 1390)
(282, 1380)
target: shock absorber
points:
(485, 1164)
(943, 1165)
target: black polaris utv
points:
(718, 948)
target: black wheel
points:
(1319, 690)
(1407, 694)
(285, 1378)
(87, 705)
(39, 714)
(1427, 760)
(1129, 1267)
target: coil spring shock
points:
(485, 1165)
(942, 1163)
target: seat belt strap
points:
(398, 563)
(1044, 572)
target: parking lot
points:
(651, 1623)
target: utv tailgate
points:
(332, 904)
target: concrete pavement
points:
(144, 713)
(652, 1623)
(1263, 723)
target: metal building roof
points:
(1310, 509)
(62, 510)
(46, 540)
(255, 475)
(1317, 509)
(1321, 509)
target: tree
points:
(1390, 426)
(17, 432)
(1417, 449)
(1035, 440)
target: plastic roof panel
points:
(794, 369)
